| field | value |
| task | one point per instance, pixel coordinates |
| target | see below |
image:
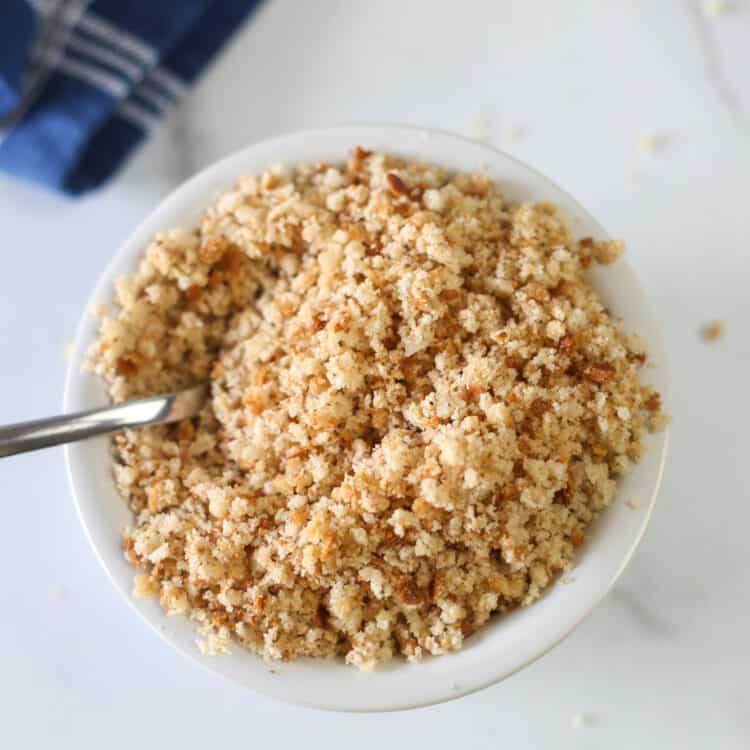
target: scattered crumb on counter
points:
(646, 143)
(566, 580)
(633, 504)
(478, 128)
(714, 8)
(510, 135)
(712, 331)
(649, 143)
(580, 721)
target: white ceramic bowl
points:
(505, 644)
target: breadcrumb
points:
(714, 8)
(712, 331)
(510, 135)
(478, 128)
(580, 721)
(648, 143)
(418, 405)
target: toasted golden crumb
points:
(418, 405)
(712, 331)
(144, 586)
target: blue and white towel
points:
(83, 81)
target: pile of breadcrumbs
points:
(419, 404)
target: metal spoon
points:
(67, 428)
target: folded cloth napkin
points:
(14, 52)
(83, 81)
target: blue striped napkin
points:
(83, 81)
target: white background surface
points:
(665, 660)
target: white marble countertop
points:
(664, 661)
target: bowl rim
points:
(131, 249)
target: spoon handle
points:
(67, 428)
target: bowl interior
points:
(507, 643)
